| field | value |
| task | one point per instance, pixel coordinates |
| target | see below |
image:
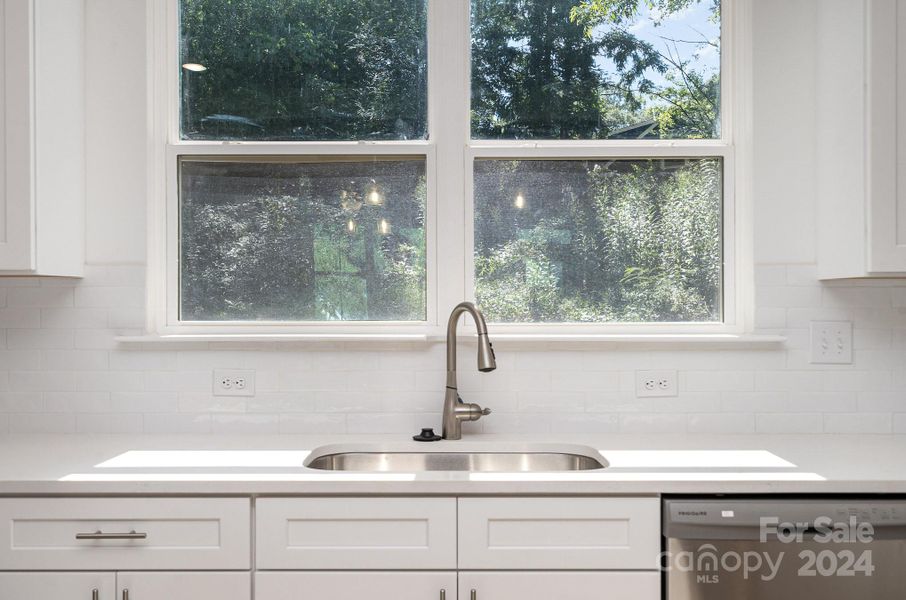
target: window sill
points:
(504, 339)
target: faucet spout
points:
(455, 410)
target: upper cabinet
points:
(861, 151)
(42, 127)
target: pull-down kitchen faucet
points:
(455, 410)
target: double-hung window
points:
(361, 166)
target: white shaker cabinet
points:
(365, 585)
(861, 138)
(42, 128)
(57, 586)
(540, 585)
(183, 586)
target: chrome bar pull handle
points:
(125, 594)
(95, 594)
(100, 535)
(473, 595)
(443, 595)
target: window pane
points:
(595, 69)
(303, 69)
(284, 240)
(598, 241)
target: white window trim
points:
(449, 154)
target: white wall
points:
(60, 370)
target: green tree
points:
(305, 69)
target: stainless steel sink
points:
(508, 462)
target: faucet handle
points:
(469, 411)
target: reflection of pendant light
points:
(374, 196)
(351, 226)
(195, 67)
(519, 202)
(384, 227)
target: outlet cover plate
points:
(831, 342)
(656, 384)
(229, 382)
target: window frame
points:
(449, 153)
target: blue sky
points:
(692, 24)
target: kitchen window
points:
(358, 167)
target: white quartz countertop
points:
(272, 465)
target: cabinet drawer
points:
(96, 534)
(175, 585)
(541, 585)
(558, 533)
(424, 585)
(356, 533)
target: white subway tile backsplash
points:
(584, 423)
(40, 297)
(652, 423)
(784, 381)
(206, 403)
(857, 381)
(824, 402)
(367, 423)
(62, 370)
(770, 275)
(801, 275)
(717, 381)
(244, 423)
(312, 423)
(41, 381)
(18, 402)
(144, 402)
(20, 317)
(122, 297)
(31, 339)
(870, 402)
(899, 423)
(585, 381)
(77, 402)
(42, 423)
(551, 402)
(858, 423)
(74, 318)
(109, 423)
(178, 423)
(789, 423)
(722, 423)
(76, 360)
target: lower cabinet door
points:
(57, 586)
(353, 585)
(183, 586)
(560, 585)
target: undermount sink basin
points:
(464, 460)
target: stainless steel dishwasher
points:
(797, 549)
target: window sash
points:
(450, 154)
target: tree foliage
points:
(305, 69)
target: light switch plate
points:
(656, 384)
(831, 342)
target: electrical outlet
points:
(831, 342)
(655, 384)
(234, 383)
